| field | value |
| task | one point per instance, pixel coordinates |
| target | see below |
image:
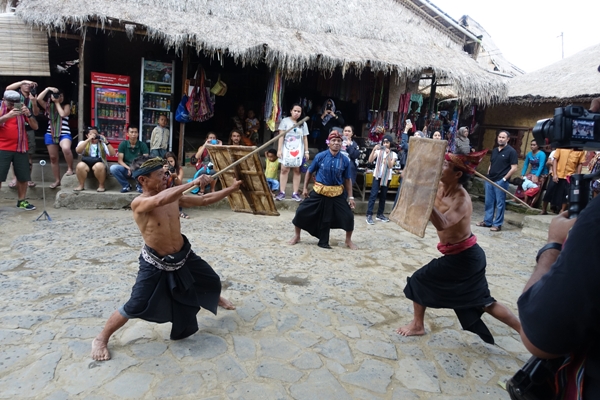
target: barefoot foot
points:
(351, 245)
(411, 329)
(100, 350)
(294, 240)
(226, 304)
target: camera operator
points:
(560, 305)
(93, 153)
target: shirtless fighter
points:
(456, 280)
(173, 283)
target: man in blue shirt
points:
(330, 203)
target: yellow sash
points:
(329, 191)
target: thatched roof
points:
(573, 79)
(381, 34)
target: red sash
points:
(450, 249)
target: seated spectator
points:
(437, 135)
(204, 164)
(174, 174)
(93, 153)
(128, 151)
(530, 189)
(235, 138)
(272, 170)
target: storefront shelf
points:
(111, 104)
(157, 109)
(159, 83)
(112, 118)
(162, 94)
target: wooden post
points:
(184, 72)
(80, 94)
(432, 95)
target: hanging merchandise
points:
(220, 87)
(417, 98)
(182, 114)
(403, 106)
(200, 104)
(273, 101)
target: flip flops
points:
(31, 184)
(78, 189)
(496, 228)
(184, 215)
(12, 184)
(54, 185)
(483, 224)
(100, 190)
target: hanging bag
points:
(182, 114)
(220, 88)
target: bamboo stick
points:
(264, 146)
(504, 190)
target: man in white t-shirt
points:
(382, 176)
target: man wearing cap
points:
(457, 279)
(173, 283)
(330, 203)
(382, 176)
(13, 143)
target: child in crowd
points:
(175, 175)
(272, 170)
(159, 140)
(530, 189)
(252, 127)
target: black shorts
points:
(20, 162)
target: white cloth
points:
(293, 143)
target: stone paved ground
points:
(310, 323)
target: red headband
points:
(334, 134)
(466, 163)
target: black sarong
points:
(557, 193)
(318, 214)
(174, 296)
(457, 282)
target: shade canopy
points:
(24, 50)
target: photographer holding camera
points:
(560, 305)
(93, 153)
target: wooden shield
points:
(254, 196)
(420, 180)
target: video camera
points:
(573, 127)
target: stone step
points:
(537, 226)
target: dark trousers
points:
(376, 190)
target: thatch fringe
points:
(573, 79)
(293, 36)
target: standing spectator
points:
(503, 164)
(290, 152)
(93, 152)
(330, 118)
(13, 143)
(462, 143)
(437, 135)
(350, 148)
(566, 162)
(239, 120)
(58, 133)
(27, 91)
(271, 169)
(128, 151)
(594, 167)
(174, 174)
(159, 140)
(382, 176)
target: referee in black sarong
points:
(330, 203)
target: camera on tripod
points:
(573, 127)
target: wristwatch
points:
(548, 246)
(504, 179)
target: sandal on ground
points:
(12, 184)
(496, 228)
(184, 215)
(78, 189)
(69, 173)
(31, 184)
(483, 224)
(54, 185)
(100, 190)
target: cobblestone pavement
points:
(310, 324)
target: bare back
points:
(455, 204)
(160, 227)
